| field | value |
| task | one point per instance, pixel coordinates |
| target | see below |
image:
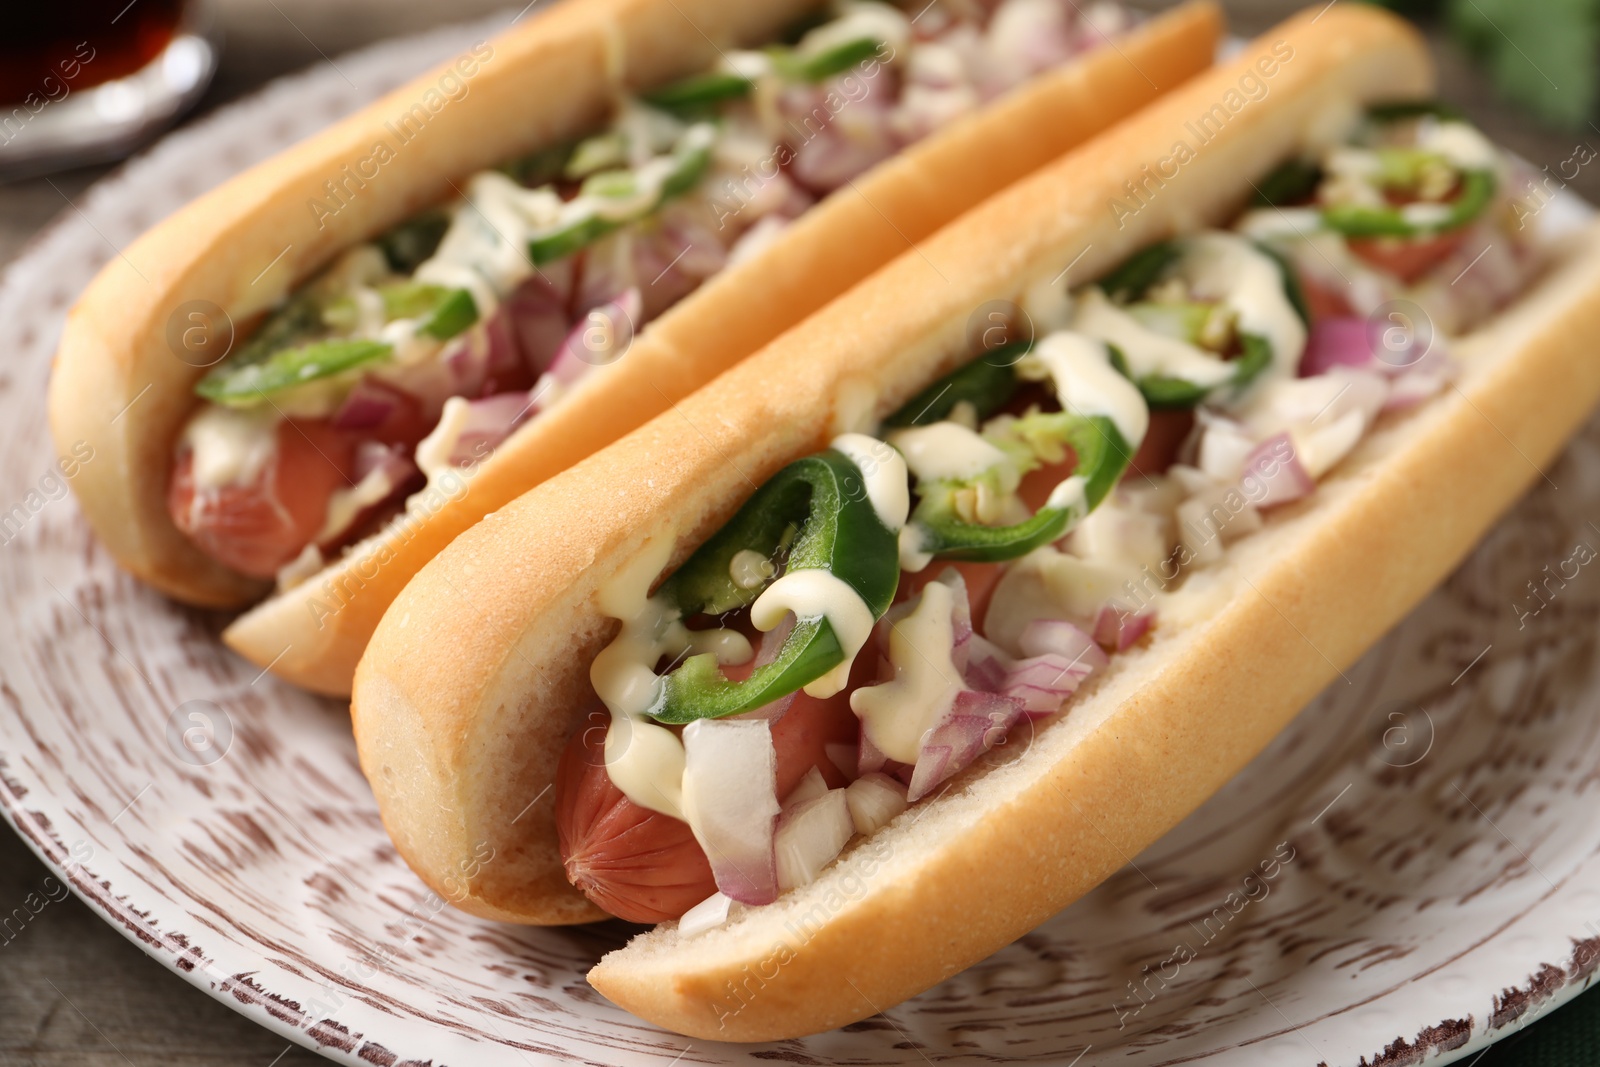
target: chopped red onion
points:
(1273, 474)
(600, 336)
(1336, 342)
(730, 786)
(533, 325)
(1117, 628)
(976, 723)
(368, 404)
(987, 665)
(1043, 683)
(489, 422)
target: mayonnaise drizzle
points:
(883, 473)
(897, 713)
(1146, 351)
(948, 451)
(811, 594)
(1087, 384)
(231, 446)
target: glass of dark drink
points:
(88, 80)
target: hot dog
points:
(317, 375)
(1066, 586)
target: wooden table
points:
(73, 992)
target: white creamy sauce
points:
(644, 760)
(1070, 495)
(812, 594)
(897, 713)
(434, 451)
(1460, 144)
(912, 556)
(1146, 351)
(876, 21)
(749, 569)
(1227, 267)
(1087, 384)
(883, 473)
(346, 504)
(231, 446)
(485, 250)
(946, 451)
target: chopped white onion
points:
(874, 800)
(730, 801)
(709, 914)
(811, 786)
(810, 836)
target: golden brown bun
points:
(115, 358)
(478, 674)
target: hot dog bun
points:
(119, 385)
(479, 672)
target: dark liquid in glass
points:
(49, 48)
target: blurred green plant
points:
(1541, 54)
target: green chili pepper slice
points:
(1477, 190)
(441, 313)
(1166, 393)
(412, 242)
(987, 384)
(235, 385)
(1293, 183)
(698, 95)
(818, 500)
(1100, 453)
(1143, 270)
(689, 166)
(700, 92)
(1399, 111)
(823, 65)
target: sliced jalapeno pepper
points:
(703, 91)
(235, 385)
(1293, 183)
(700, 94)
(1477, 190)
(441, 312)
(823, 65)
(835, 528)
(1144, 270)
(987, 384)
(1166, 393)
(412, 242)
(1101, 454)
(690, 158)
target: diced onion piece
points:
(810, 836)
(976, 723)
(813, 785)
(1274, 475)
(730, 787)
(709, 914)
(1046, 636)
(1336, 342)
(600, 336)
(874, 800)
(1119, 629)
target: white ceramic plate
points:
(1428, 827)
